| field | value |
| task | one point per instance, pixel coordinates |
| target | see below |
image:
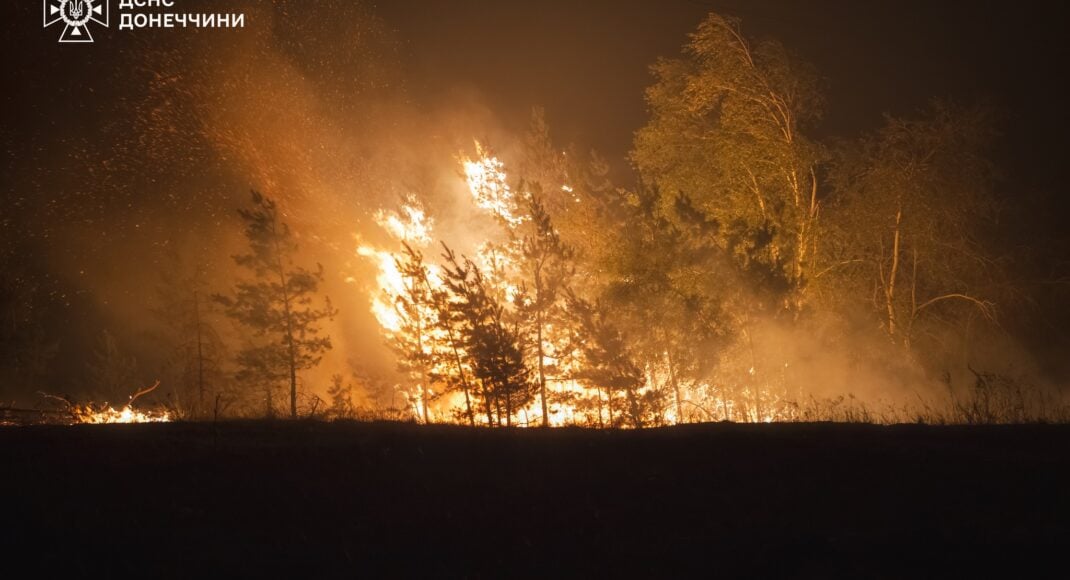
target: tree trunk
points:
(542, 372)
(293, 381)
(508, 409)
(634, 410)
(598, 397)
(675, 388)
(486, 403)
(464, 380)
(889, 288)
(423, 401)
(290, 345)
(200, 355)
(609, 405)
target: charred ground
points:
(313, 499)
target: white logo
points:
(76, 16)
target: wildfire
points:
(432, 357)
(490, 189)
(410, 225)
(127, 414)
(111, 415)
(390, 283)
(487, 182)
(105, 414)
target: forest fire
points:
(105, 414)
(413, 302)
(727, 258)
(643, 289)
(420, 305)
(513, 303)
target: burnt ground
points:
(314, 499)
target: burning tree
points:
(417, 336)
(670, 280)
(548, 262)
(501, 332)
(493, 346)
(277, 304)
(608, 365)
(410, 305)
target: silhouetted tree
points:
(494, 347)
(278, 303)
(185, 308)
(341, 394)
(110, 371)
(670, 286)
(608, 364)
(417, 338)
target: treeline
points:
(756, 273)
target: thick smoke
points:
(310, 106)
(307, 105)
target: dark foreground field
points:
(313, 499)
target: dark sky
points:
(587, 61)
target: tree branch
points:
(985, 307)
(141, 392)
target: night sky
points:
(94, 179)
(587, 62)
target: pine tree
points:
(111, 372)
(196, 346)
(341, 394)
(277, 304)
(608, 364)
(548, 262)
(493, 346)
(417, 340)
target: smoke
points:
(308, 104)
(311, 105)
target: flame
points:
(110, 415)
(490, 189)
(411, 224)
(572, 402)
(391, 284)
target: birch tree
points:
(728, 132)
(915, 199)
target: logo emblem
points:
(76, 16)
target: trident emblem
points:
(76, 16)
